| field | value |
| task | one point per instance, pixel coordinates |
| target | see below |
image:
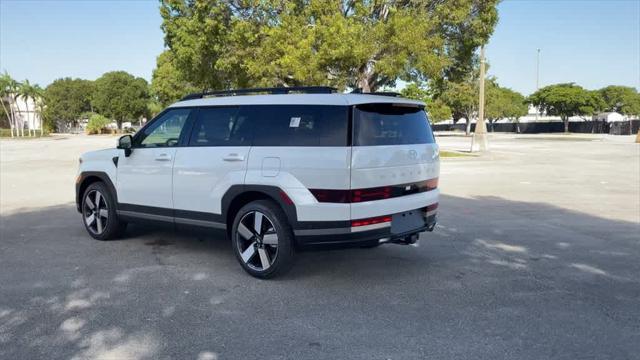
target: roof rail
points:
(273, 90)
(379, 93)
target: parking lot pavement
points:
(535, 256)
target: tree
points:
(29, 92)
(462, 98)
(67, 99)
(7, 85)
(436, 108)
(120, 96)
(503, 103)
(622, 99)
(367, 45)
(565, 100)
(167, 84)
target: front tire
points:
(262, 239)
(99, 214)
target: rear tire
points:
(99, 214)
(262, 239)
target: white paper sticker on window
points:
(295, 122)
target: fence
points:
(598, 127)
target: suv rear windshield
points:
(390, 124)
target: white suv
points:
(275, 172)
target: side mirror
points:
(125, 142)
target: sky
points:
(593, 43)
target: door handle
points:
(163, 157)
(233, 157)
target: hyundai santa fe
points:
(275, 170)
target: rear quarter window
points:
(390, 124)
(298, 125)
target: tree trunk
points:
(468, 127)
(8, 117)
(565, 121)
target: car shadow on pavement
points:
(65, 295)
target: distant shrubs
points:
(98, 125)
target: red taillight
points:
(432, 207)
(331, 196)
(432, 184)
(371, 194)
(371, 221)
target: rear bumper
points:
(341, 233)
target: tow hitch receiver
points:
(408, 240)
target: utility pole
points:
(537, 77)
(479, 141)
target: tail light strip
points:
(371, 194)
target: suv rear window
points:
(298, 125)
(390, 124)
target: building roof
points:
(297, 99)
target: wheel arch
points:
(89, 177)
(239, 195)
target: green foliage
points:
(223, 44)
(120, 96)
(503, 103)
(66, 99)
(153, 109)
(621, 99)
(437, 109)
(566, 100)
(97, 124)
(167, 84)
(462, 98)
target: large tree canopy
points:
(622, 99)
(503, 103)
(120, 96)
(566, 100)
(364, 44)
(167, 84)
(67, 99)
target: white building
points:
(609, 117)
(26, 114)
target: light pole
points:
(537, 77)
(479, 141)
(538, 70)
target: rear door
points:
(392, 145)
(214, 159)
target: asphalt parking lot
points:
(536, 256)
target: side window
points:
(219, 126)
(298, 125)
(165, 131)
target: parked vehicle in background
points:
(275, 172)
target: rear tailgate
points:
(394, 152)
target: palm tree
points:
(5, 84)
(26, 92)
(38, 101)
(14, 93)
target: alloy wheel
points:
(95, 212)
(257, 241)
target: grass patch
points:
(452, 154)
(6, 133)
